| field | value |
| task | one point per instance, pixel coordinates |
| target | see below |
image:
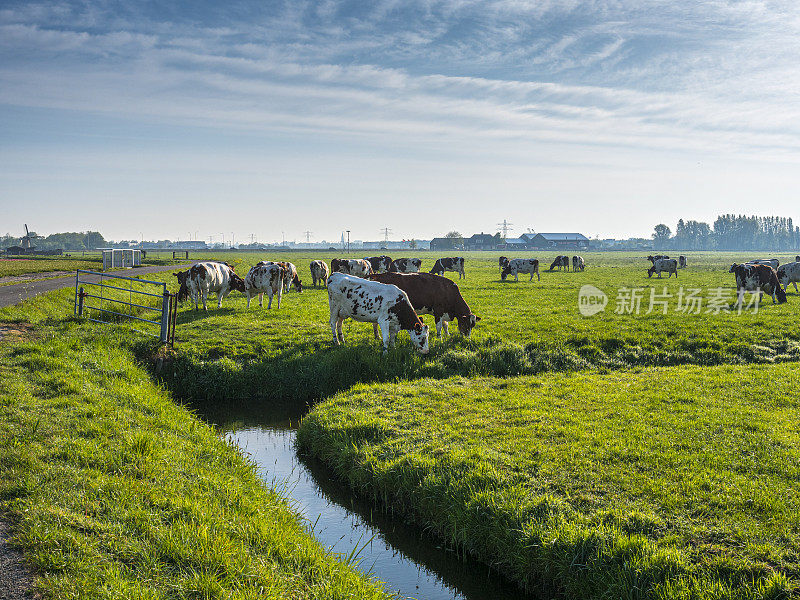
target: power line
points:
(506, 226)
(308, 236)
(386, 231)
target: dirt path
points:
(16, 580)
(15, 293)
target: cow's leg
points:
(516, 276)
(261, 299)
(446, 327)
(439, 326)
(270, 292)
(196, 299)
(205, 298)
(387, 337)
(538, 277)
(531, 279)
(339, 328)
(334, 323)
(220, 296)
(248, 299)
(376, 331)
(795, 286)
(280, 295)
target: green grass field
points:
(679, 482)
(115, 491)
(526, 328)
(44, 264)
(618, 455)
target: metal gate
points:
(120, 300)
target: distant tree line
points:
(730, 232)
(81, 240)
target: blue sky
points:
(272, 118)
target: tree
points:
(661, 235)
(457, 238)
(412, 244)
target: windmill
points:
(27, 241)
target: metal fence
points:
(127, 301)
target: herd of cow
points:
(765, 275)
(392, 293)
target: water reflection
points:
(398, 554)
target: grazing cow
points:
(453, 263)
(374, 302)
(578, 263)
(682, 262)
(653, 259)
(772, 262)
(797, 258)
(207, 277)
(319, 272)
(431, 294)
(515, 266)
(502, 263)
(351, 266)
(670, 265)
(789, 273)
(379, 263)
(266, 277)
(290, 277)
(757, 278)
(405, 265)
(560, 261)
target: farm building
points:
(481, 241)
(445, 243)
(560, 240)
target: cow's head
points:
(419, 337)
(733, 268)
(506, 272)
(298, 285)
(466, 323)
(236, 282)
(183, 290)
(651, 270)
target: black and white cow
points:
(502, 263)
(351, 266)
(789, 273)
(668, 265)
(772, 262)
(374, 302)
(682, 262)
(266, 277)
(515, 266)
(205, 277)
(559, 262)
(578, 263)
(319, 272)
(453, 263)
(752, 277)
(405, 265)
(379, 264)
(797, 258)
(653, 259)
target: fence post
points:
(165, 316)
(81, 296)
(77, 277)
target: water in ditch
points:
(407, 561)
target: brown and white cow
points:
(772, 262)
(578, 264)
(379, 264)
(757, 278)
(452, 263)
(374, 302)
(290, 277)
(559, 262)
(405, 265)
(515, 266)
(266, 277)
(431, 294)
(319, 272)
(205, 277)
(351, 266)
(661, 265)
(789, 273)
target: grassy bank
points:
(117, 492)
(666, 483)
